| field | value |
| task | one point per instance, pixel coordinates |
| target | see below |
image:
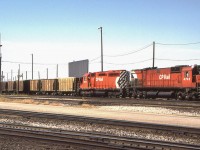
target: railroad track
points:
(111, 102)
(89, 140)
(178, 130)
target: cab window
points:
(113, 74)
(93, 75)
(186, 74)
(102, 74)
(84, 78)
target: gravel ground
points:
(107, 129)
(16, 143)
(139, 109)
(99, 128)
(146, 109)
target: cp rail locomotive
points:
(179, 82)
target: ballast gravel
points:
(111, 129)
(99, 128)
(147, 109)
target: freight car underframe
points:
(163, 92)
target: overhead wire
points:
(135, 51)
(132, 52)
(176, 59)
(27, 63)
(193, 43)
(127, 63)
(95, 58)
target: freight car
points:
(18, 86)
(60, 86)
(48, 86)
(32, 86)
(68, 86)
(10, 87)
(180, 82)
(4, 87)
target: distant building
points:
(78, 68)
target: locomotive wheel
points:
(144, 95)
(134, 95)
(128, 93)
(180, 96)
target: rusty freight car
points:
(18, 86)
(10, 86)
(4, 87)
(67, 86)
(48, 86)
(32, 86)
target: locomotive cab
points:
(196, 77)
(85, 81)
(196, 74)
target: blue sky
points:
(60, 31)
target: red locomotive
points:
(181, 82)
(107, 83)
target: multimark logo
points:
(164, 76)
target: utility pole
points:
(2, 76)
(32, 66)
(11, 74)
(0, 65)
(57, 71)
(153, 53)
(26, 75)
(47, 73)
(101, 49)
(38, 75)
(18, 79)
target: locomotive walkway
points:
(185, 121)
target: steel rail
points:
(111, 102)
(181, 130)
(90, 139)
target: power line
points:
(28, 63)
(130, 52)
(179, 43)
(176, 59)
(95, 58)
(126, 63)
